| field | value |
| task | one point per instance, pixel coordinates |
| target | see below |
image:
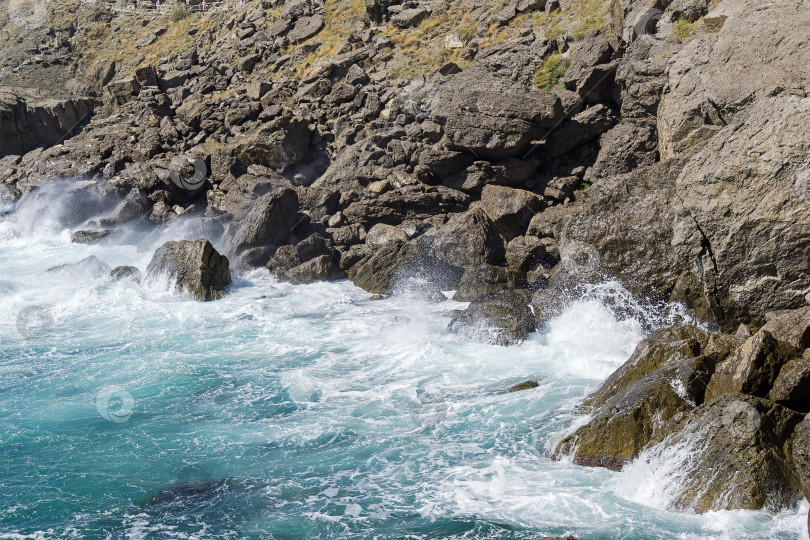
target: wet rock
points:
(486, 279)
(194, 267)
(730, 453)
(90, 267)
(267, 224)
(90, 237)
(753, 368)
(120, 273)
(626, 421)
(312, 259)
(526, 385)
(502, 318)
(666, 375)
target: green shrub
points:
(682, 29)
(179, 13)
(550, 74)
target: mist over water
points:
(288, 411)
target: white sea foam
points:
(322, 372)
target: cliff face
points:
(660, 142)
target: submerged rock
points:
(90, 237)
(90, 267)
(126, 272)
(526, 385)
(194, 267)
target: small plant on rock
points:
(550, 74)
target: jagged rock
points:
(120, 273)
(730, 453)
(194, 267)
(487, 279)
(87, 268)
(581, 129)
(753, 368)
(305, 28)
(414, 202)
(792, 326)
(502, 318)
(792, 387)
(511, 172)
(268, 223)
(626, 147)
(26, 123)
(468, 239)
(510, 209)
(592, 51)
(800, 453)
(312, 259)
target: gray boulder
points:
(267, 224)
(193, 267)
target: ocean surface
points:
(312, 411)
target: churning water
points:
(297, 412)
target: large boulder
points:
(730, 453)
(494, 124)
(502, 318)
(487, 279)
(193, 267)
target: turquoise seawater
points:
(298, 412)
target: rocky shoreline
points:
(553, 145)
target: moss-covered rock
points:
(627, 420)
(729, 453)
